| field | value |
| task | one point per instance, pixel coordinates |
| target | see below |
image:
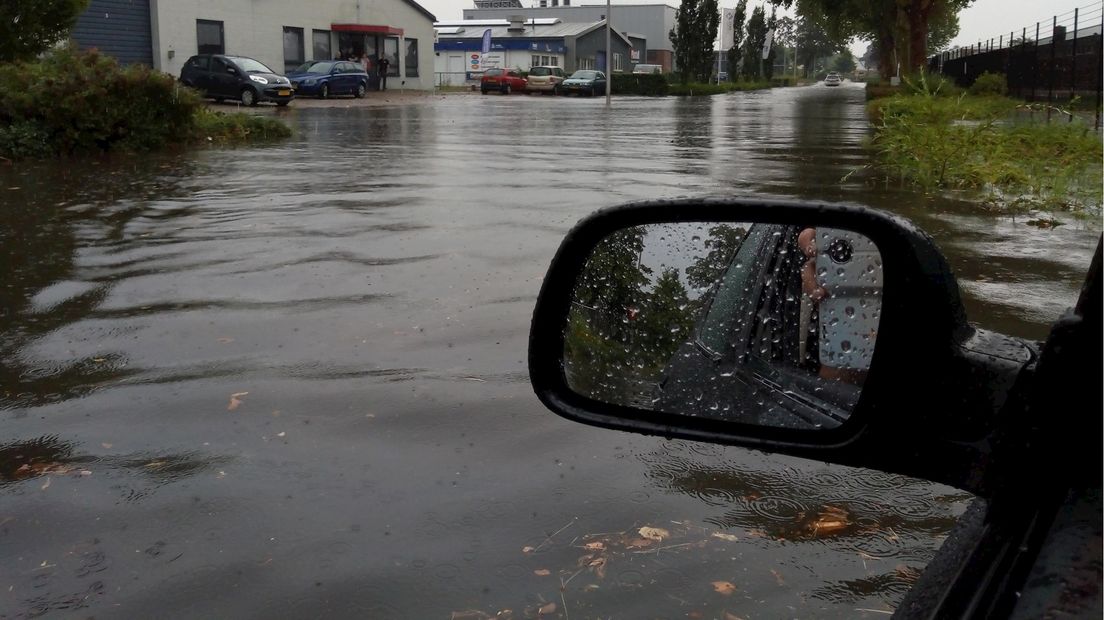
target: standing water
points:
(291, 380)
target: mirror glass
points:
(760, 323)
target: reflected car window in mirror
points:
(764, 324)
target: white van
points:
(648, 69)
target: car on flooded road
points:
(504, 81)
(833, 79)
(837, 333)
(545, 79)
(584, 82)
(330, 78)
(239, 78)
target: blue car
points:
(330, 77)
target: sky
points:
(982, 20)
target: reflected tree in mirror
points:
(762, 323)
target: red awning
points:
(367, 29)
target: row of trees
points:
(901, 33)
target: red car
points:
(503, 80)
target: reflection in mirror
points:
(763, 324)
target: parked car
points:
(504, 81)
(833, 79)
(943, 400)
(331, 77)
(545, 79)
(584, 82)
(247, 80)
(648, 69)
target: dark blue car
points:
(330, 77)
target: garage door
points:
(119, 28)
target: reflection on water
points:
(364, 292)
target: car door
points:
(343, 78)
(600, 83)
(222, 78)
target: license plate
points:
(284, 93)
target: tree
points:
(666, 320)
(900, 28)
(812, 38)
(723, 241)
(843, 62)
(30, 27)
(753, 45)
(696, 23)
(738, 18)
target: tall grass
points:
(977, 142)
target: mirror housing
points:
(916, 416)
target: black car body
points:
(756, 357)
(249, 81)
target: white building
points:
(280, 33)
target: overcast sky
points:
(982, 20)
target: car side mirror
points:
(820, 330)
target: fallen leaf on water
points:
(550, 608)
(226, 340)
(85, 472)
(778, 577)
(724, 587)
(640, 542)
(542, 572)
(598, 565)
(594, 546)
(235, 401)
(505, 614)
(99, 360)
(590, 587)
(107, 446)
(281, 434)
(527, 549)
(654, 533)
(694, 615)
(46, 485)
(731, 616)
(723, 536)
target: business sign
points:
(486, 41)
(634, 55)
(494, 60)
(728, 20)
(767, 44)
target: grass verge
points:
(960, 141)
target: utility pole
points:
(609, 57)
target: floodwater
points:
(290, 381)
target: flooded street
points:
(290, 381)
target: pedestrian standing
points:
(383, 65)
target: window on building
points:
(293, 48)
(554, 61)
(586, 63)
(618, 62)
(391, 50)
(320, 44)
(411, 58)
(210, 38)
(535, 61)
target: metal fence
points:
(1056, 60)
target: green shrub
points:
(647, 84)
(990, 84)
(72, 102)
(221, 127)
